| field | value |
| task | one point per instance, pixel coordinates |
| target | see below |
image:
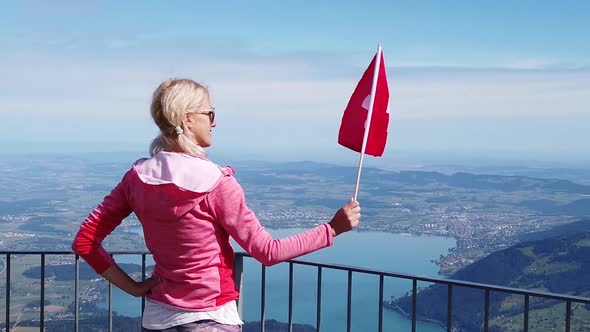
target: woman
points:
(189, 207)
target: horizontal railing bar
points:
(453, 282)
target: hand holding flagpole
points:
(365, 120)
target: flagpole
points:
(369, 116)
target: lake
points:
(373, 250)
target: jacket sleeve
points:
(100, 223)
(228, 205)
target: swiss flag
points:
(352, 128)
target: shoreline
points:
(396, 308)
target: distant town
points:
(475, 235)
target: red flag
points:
(352, 128)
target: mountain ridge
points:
(553, 261)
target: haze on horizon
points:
(483, 80)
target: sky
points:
(467, 79)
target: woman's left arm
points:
(228, 205)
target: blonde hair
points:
(171, 100)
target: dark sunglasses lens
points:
(212, 116)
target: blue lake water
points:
(372, 250)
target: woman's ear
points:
(188, 120)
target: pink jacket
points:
(189, 208)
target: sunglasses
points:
(210, 113)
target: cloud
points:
(294, 101)
(533, 63)
(289, 86)
(509, 94)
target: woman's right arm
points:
(98, 225)
(228, 205)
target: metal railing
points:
(238, 271)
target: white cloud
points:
(50, 97)
(290, 86)
(510, 94)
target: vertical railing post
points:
(380, 328)
(414, 296)
(42, 297)
(110, 305)
(449, 307)
(318, 317)
(486, 321)
(76, 291)
(568, 315)
(142, 279)
(349, 303)
(238, 279)
(7, 292)
(526, 313)
(262, 298)
(290, 296)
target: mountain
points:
(557, 261)
(579, 226)
(579, 207)
(415, 178)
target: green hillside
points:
(554, 263)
